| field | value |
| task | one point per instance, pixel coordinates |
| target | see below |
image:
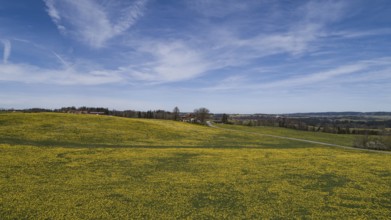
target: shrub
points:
(373, 142)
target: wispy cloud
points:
(92, 22)
(169, 61)
(67, 76)
(213, 8)
(294, 42)
(173, 60)
(310, 25)
(310, 79)
(361, 33)
(54, 14)
(62, 60)
(322, 11)
(6, 50)
(362, 71)
(305, 29)
(217, 50)
(221, 46)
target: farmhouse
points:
(188, 118)
(96, 113)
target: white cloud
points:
(336, 75)
(54, 14)
(230, 83)
(362, 71)
(171, 61)
(161, 62)
(310, 26)
(293, 42)
(6, 51)
(361, 33)
(94, 22)
(304, 30)
(33, 74)
(52, 11)
(315, 77)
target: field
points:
(63, 166)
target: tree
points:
(224, 119)
(175, 113)
(202, 114)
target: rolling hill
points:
(66, 166)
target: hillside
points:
(71, 130)
(65, 166)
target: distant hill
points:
(339, 114)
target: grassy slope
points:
(341, 139)
(75, 166)
(67, 130)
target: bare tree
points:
(202, 114)
(224, 119)
(175, 113)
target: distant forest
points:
(372, 123)
(155, 114)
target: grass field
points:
(341, 139)
(61, 166)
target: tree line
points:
(369, 133)
(318, 124)
(199, 115)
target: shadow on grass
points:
(51, 143)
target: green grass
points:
(68, 130)
(340, 139)
(59, 166)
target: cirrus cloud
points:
(94, 22)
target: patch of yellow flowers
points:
(132, 169)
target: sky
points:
(250, 56)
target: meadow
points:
(64, 166)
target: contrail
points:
(6, 51)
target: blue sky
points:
(252, 56)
